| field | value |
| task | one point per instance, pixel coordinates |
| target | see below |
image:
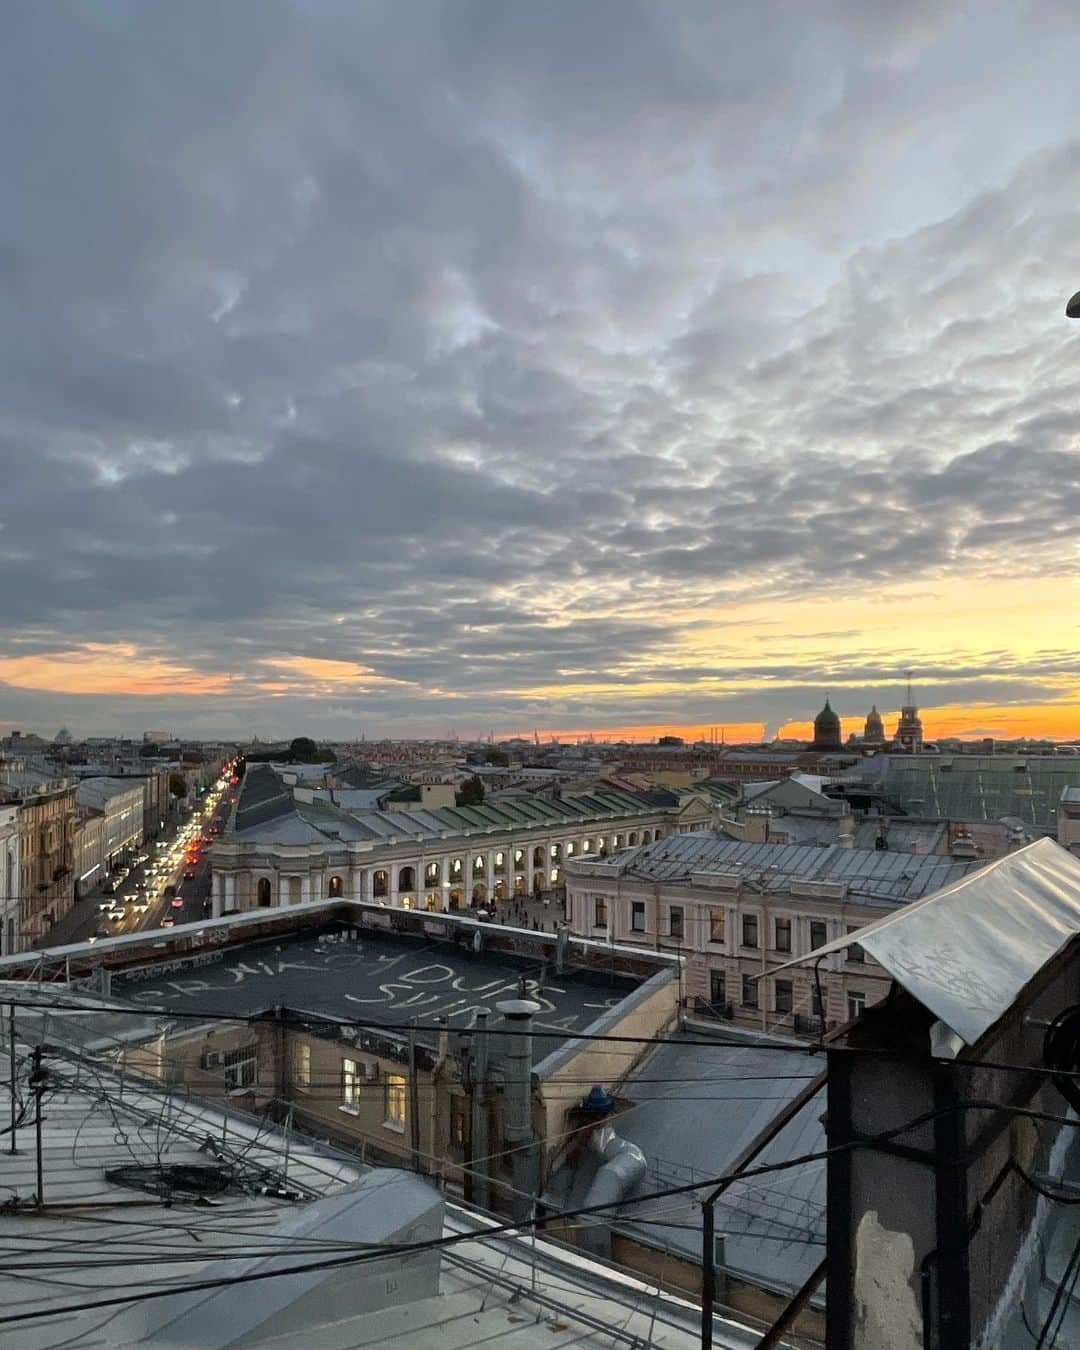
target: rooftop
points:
(376, 977)
(871, 876)
(976, 787)
(267, 811)
(968, 950)
(692, 1110)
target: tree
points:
(471, 792)
(177, 785)
(303, 750)
(497, 757)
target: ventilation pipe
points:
(620, 1165)
(517, 1079)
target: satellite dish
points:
(1072, 309)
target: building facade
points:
(734, 911)
(283, 851)
(46, 861)
(9, 880)
(121, 804)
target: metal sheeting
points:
(867, 872)
(967, 951)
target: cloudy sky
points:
(390, 368)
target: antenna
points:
(908, 673)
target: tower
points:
(827, 730)
(909, 730)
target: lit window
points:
(302, 1067)
(395, 1100)
(350, 1084)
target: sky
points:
(600, 368)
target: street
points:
(140, 900)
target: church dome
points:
(874, 731)
(826, 729)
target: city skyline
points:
(382, 371)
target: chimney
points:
(517, 1078)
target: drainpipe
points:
(479, 1163)
(517, 1078)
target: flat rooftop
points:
(377, 978)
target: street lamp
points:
(1072, 309)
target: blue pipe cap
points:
(599, 1102)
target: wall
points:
(10, 879)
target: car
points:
(178, 902)
(167, 922)
(116, 915)
(108, 889)
(105, 905)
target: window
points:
(395, 1101)
(350, 1085)
(749, 930)
(717, 988)
(334, 890)
(749, 991)
(854, 951)
(302, 1067)
(856, 1002)
(675, 921)
(600, 912)
(818, 934)
(637, 916)
(716, 925)
(241, 1066)
(263, 891)
(784, 996)
(783, 935)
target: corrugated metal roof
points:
(967, 950)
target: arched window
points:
(380, 883)
(263, 894)
(335, 888)
(406, 879)
(432, 875)
(631, 838)
(646, 837)
(538, 856)
(9, 888)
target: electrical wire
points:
(280, 1017)
(377, 1252)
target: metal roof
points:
(693, 1109)
(267, 812)
(968, 950)
(978, 787)
(869, 874)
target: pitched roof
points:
(967, 951)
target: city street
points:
(148, 890)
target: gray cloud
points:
(486, 347)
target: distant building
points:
(827, 730)
(9, 880)
(874, 731)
